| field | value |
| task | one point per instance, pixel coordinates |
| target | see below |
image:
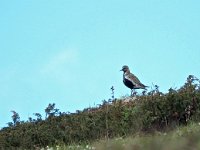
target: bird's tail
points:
(143, 86)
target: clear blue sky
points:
(69, 52)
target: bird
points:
(131, 81)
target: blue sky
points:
(69, 52)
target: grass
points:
(182, 138)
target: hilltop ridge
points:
(147, 113)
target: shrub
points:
(116, 118)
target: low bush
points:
(149, 112)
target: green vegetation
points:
(183, 138)
(152, 113)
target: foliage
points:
(15, 118)
(187, 138)
(149, 112)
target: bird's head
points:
(125, 68)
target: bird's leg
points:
(133, 92)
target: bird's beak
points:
(121, 70)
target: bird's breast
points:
(128, 83)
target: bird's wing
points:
(131, 77)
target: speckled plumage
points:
(130, 80)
